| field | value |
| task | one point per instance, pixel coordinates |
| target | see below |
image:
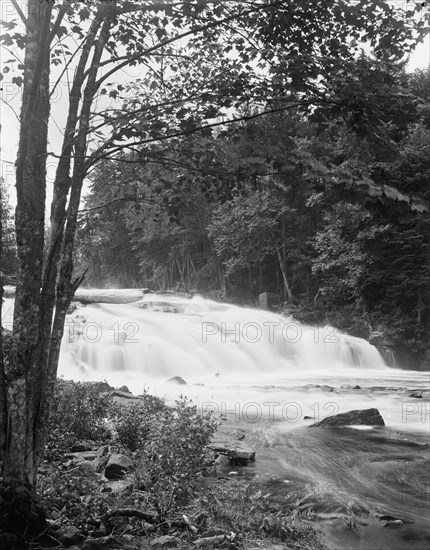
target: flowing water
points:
(272, 376)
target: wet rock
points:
(326, 388)
(350, 387)
(391, 521)
(394, 523)
(177, 380)
(69, 535)
(117, 467)
(124, 395)
(160, 543)
(237, 453)
(416, 395)
(368, 417)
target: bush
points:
(167, 444)
(132, 422)
(78, 411)
(173, 456)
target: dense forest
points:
(322, 207)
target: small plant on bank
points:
(255, 511)
(175, 457)
(74, 496)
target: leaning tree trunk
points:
(287, 285)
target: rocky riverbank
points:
(180, 489)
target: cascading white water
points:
(163, 336)
(231, 355)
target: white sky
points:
(10, 124)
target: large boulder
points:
(117, 467)
(368, 417)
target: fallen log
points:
(99, 295)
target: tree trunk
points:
(284, 275)
(2, 373)
(43, 293)
(19, 460)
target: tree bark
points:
(18, 458)
(2, 372)
(284, 275)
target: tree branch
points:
(190, 32)
(96, 155)
(123, 199)
(61, 13)
(20, 12)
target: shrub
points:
(78, 411)
(132, 422)
(175, 457)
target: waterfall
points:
(161, 336)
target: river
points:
(273, 377)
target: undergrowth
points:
(172, 475)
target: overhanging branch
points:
(116, 148)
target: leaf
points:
(161, 33)
(18, 80)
